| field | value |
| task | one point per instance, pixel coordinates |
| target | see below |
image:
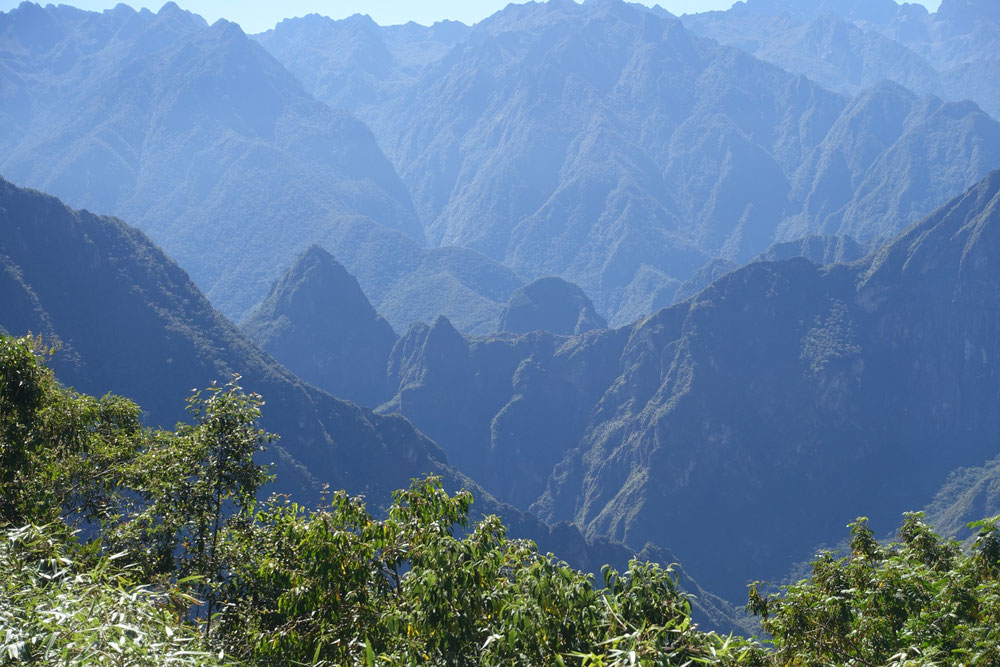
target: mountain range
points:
(607, 144)
(198, 136)
(853, 388)
(512, 149)
(716, 284)
(126, 319)
(849, 46)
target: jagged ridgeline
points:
(198, 136)
(516, 139)
(128, 320)
(849, 46)
(785, 393)
(609, 145)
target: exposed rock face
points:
(320, 325)
(550, 304)
(850, 388)
(608, 144)
(131, 322)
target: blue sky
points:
(259, 15)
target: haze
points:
(260, 15)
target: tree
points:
(198, 484)
(62, 454)
(920, 600)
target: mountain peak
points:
(967, 13)
(952, 253)
(550, 304)
(318, 323)
(169, 8)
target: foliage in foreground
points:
(919, 601)
(177, 563)
(64, 604)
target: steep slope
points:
(551, 169)
(702, 278)
(849, 46)
(879, 164)
(606, 144)
(505, 408)
(820, 250)
(830, 50)
(851, 388)
(355, 64)
(194, 133)
(318, 323)
(130, 321)
(549, 304)
(969, 494)
(408, 283)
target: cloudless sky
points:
(259, 15)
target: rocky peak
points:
(550, 304)
(318, 322)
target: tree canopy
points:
(130, 545)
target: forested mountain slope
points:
(606, 144)
(129, 320)
(200, 137)
(756, 418)
(848, 46)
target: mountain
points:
(354, 64)
(550, 304)
(606, 144)
(877, 164)
(318, 323)
(817, 249)
(407, 282)
(756, 418)
(829, 49)
(864, 11)
(703, 277)
(969, 494)
(199, 136)
(194, 133)
(130, 321)
(850, 46)
(505, 408)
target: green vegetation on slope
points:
(177, 563)
(176, 511)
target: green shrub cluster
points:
(121, 544)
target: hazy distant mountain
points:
(213, 148)
(549, 304)
(605, 144)
(354, 63)
(193, 132)
(830, 50)
(885, 159)
(848, 46)
(852, 388)
(820, 250)
(409, 283)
